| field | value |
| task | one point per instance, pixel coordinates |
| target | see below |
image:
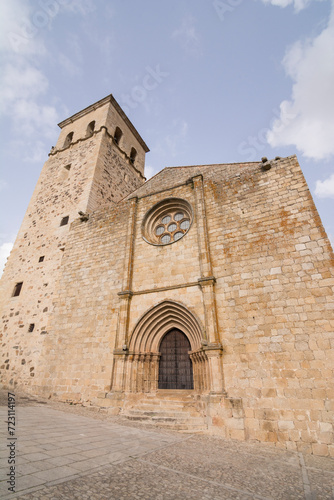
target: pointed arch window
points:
(69, 139)
(133, 155)
(90, 128)
(118, 136)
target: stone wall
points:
(254, 272)
(91, 172)
(273, 267)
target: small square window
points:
(41, 259)
(64, 220)
(68, 167)
(17, 289)
(31, 327)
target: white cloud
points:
(23, 26)
(20, 82)
(20, 28)
(331, 239)
(5, 250)
(150, 171)
(298, 4)
(306, 120)
(23, 86)
(188, 37)
(30, 118)
(325, 189)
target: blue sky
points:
(203, 81)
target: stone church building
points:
(201, 299)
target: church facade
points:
(200, 298)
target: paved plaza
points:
(66, 452)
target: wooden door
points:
(175, 368)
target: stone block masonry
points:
(250, 283)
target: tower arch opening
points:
(90, 128)
(68, 140)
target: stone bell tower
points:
(98, 160)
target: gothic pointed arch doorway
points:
(175, 367)
(136, 369)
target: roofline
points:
(220, 164)
(109, 99)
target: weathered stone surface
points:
(252, 281)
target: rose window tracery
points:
(167, 222)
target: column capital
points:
(207, 281)
(213, 349)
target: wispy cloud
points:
(150, 171)
(82, 7)
(298, 4)
(5, 249)
(188, 37)
(325, 189)
(24, 85)
(310, 66)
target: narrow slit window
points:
(17, 289)
(64, 220)
(31, 327)
(133, 155)
(118, 135)
(68, 140)
(90, 129)
(41, 259)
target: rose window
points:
(167, 222)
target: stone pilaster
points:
(121, 344)
(126, 293)
(213, 349)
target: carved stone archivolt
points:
(137, 370)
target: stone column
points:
(209, 301)
(155, 371)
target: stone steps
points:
(176, 410)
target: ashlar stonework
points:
(229, 259)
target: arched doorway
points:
(175, 367)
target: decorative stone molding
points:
(167, 221)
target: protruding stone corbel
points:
(266, 164)
(83, 217)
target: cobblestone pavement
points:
(65, 452)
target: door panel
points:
(175, 368)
